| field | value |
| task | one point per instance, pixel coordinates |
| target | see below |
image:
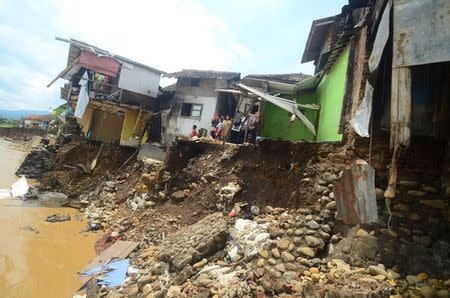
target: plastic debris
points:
(20, 187)
(247, 236)
(112, 274)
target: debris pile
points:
(38, 161)
(206, 228)
(58, 217)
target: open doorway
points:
(226, 104)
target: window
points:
(254, 110)
(191, 110)
(195, 82)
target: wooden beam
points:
(400, 107)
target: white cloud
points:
(168, 35)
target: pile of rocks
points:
(194, 242)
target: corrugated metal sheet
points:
(421, 32)
(103, 64)
(380, 39)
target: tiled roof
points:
(204, 74)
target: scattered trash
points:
(20, 187)
(110, 275)
(58, 218)
(235, 211)
(31, 229)
(132, 270)
(94, 226)
(136, 202)
(246, 237)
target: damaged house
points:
(391, 105)
(316, 101)
(113, 97)
(198, 95)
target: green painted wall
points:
(330, 94)
(277, 124)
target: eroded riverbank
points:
(37, 258)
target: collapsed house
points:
(113, 97)
(198, 95)
(37, 121)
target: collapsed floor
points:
(284, 240)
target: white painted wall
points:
(138, 79)
(184, 124)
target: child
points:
(193, 132)
(219, 129)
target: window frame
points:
(196, 84)
(192, 110)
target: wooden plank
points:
(404, 106)
(394, 107)
(355, 194)
(119, 250)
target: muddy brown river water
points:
(37, 258)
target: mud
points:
(38, 258)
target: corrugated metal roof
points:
(204, 74)
(76, 45)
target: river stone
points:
(313, 225)
(328, 177)
(408, 183)
(326, 228)
(283, 244)
(179, 195)
(275, 253)
(376, 270)
(314, 242)
(306, 251)
(263, 253)
(429, 189)
(437, 204)
(272, 261)
(280, 267)
(331, 205)
(274, 232)
(401, 207)
(287, 257)
(416, 193)
(389, 233)
(427, 292)
(361, 233)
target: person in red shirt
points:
(193, 131)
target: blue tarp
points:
(112, 274)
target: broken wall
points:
(330, 94)
(277, 123)
(106, 126)
(133, 125)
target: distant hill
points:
(17, 114)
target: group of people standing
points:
(220, 127)
(223, 129)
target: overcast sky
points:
(247, 36)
